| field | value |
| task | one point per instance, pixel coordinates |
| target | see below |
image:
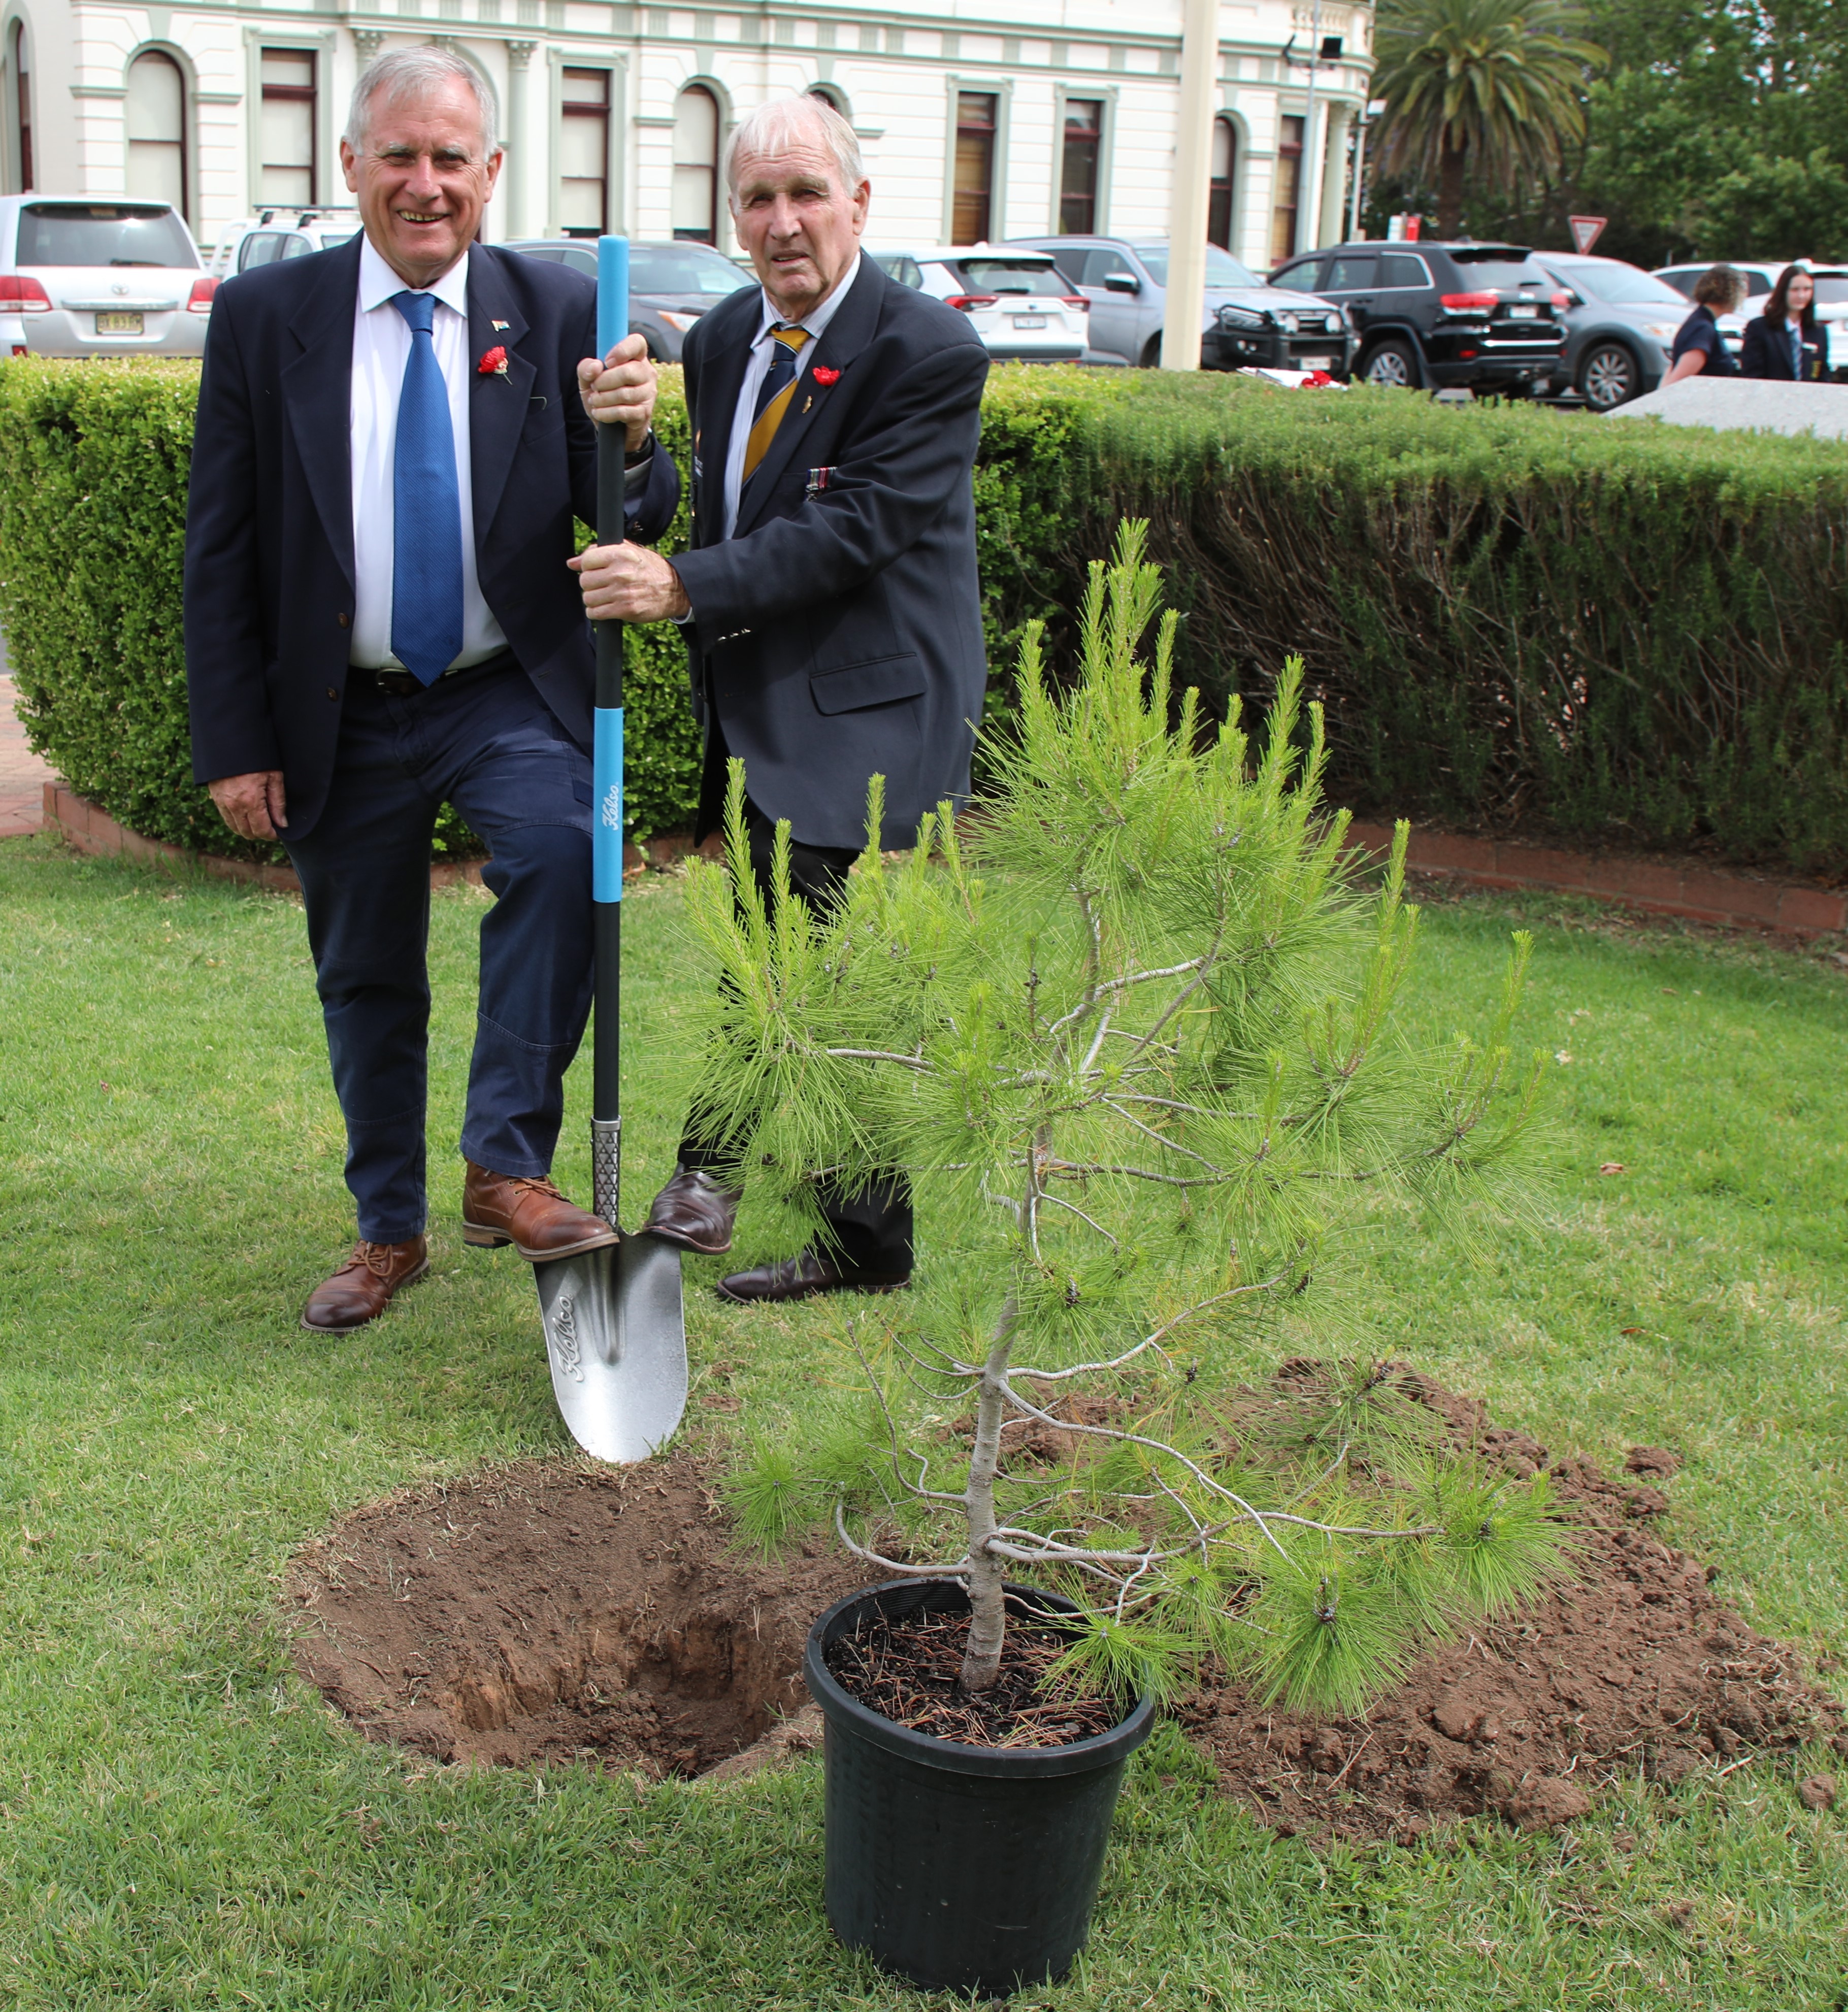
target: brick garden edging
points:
(1660, 886)
(86, 829)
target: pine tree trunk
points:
(988, 1619)
(1450, 192)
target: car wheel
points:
(1393, 364)
(1609, 376)
(1151, 353)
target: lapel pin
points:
(807, 403)
(497, 325)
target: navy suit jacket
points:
(838, 632)
(1766, 352)
(270, 518)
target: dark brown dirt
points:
(1635, 1664)
(909, 1671)
(542, 1614)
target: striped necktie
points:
(773, 396)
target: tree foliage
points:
(1132, 1030)
(1491, 89)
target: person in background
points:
(1784, 340)
(1699, 348)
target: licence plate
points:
(1030, 321)
(1523, 314)
(1315, 362)
(119, 324)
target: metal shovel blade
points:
(616, 1335)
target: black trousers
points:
(871, 1228)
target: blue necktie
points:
(426, 554)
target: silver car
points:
(79, 277)
(1245, 321)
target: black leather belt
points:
(405, 684)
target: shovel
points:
(616, 1330)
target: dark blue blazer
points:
(270, 518)
(1765, 352)
(838, 632)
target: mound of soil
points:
(543, 1613)
(1635, 1663)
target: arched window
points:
(583, 139)
(695, 165)
(1218, 209)
(828, 94)
(22, 104)
(157, 130)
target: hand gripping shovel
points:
(614, 1328)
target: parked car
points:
(1018, 302)
(672, 283)
(1482, 317)
(83, 278)
(1245, 323)
(1621, 324)
(277, 234)
(1832, 300)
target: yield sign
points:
(1585, 230)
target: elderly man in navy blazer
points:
(393, 439)
(830, 602)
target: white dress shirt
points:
(381, 348)
(815, 321)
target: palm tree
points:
(1492, 88)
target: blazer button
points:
(345, 619)
(334, 691)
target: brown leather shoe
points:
(802, 1278)
(362, 1288)
(530, 1215)
(694, 1211)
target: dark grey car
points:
(671, 284)
(1621, 324)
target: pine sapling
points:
(1130, 1027)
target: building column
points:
(521, 181)
(1333, 227)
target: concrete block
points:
(1747, 404)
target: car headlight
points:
(678, 321)
(1332, 323)
(1663, 331)
(1239, 318)
(1287, 322)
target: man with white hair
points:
(393, 439)
(830, 601)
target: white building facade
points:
(1011, 118)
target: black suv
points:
(1441, 315)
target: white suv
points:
(279, 234)
(83, 278)
(1019, 302)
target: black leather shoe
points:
(694, 1211)
(802, 1278)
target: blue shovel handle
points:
(606, 810)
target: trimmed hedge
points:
(1625, 633)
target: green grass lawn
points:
(186, 1825)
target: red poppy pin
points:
(493, 362)
(823, 374)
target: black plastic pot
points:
(960, 1869)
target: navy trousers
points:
(873, 1227)
(486, 742)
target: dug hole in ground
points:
(552, 1614)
